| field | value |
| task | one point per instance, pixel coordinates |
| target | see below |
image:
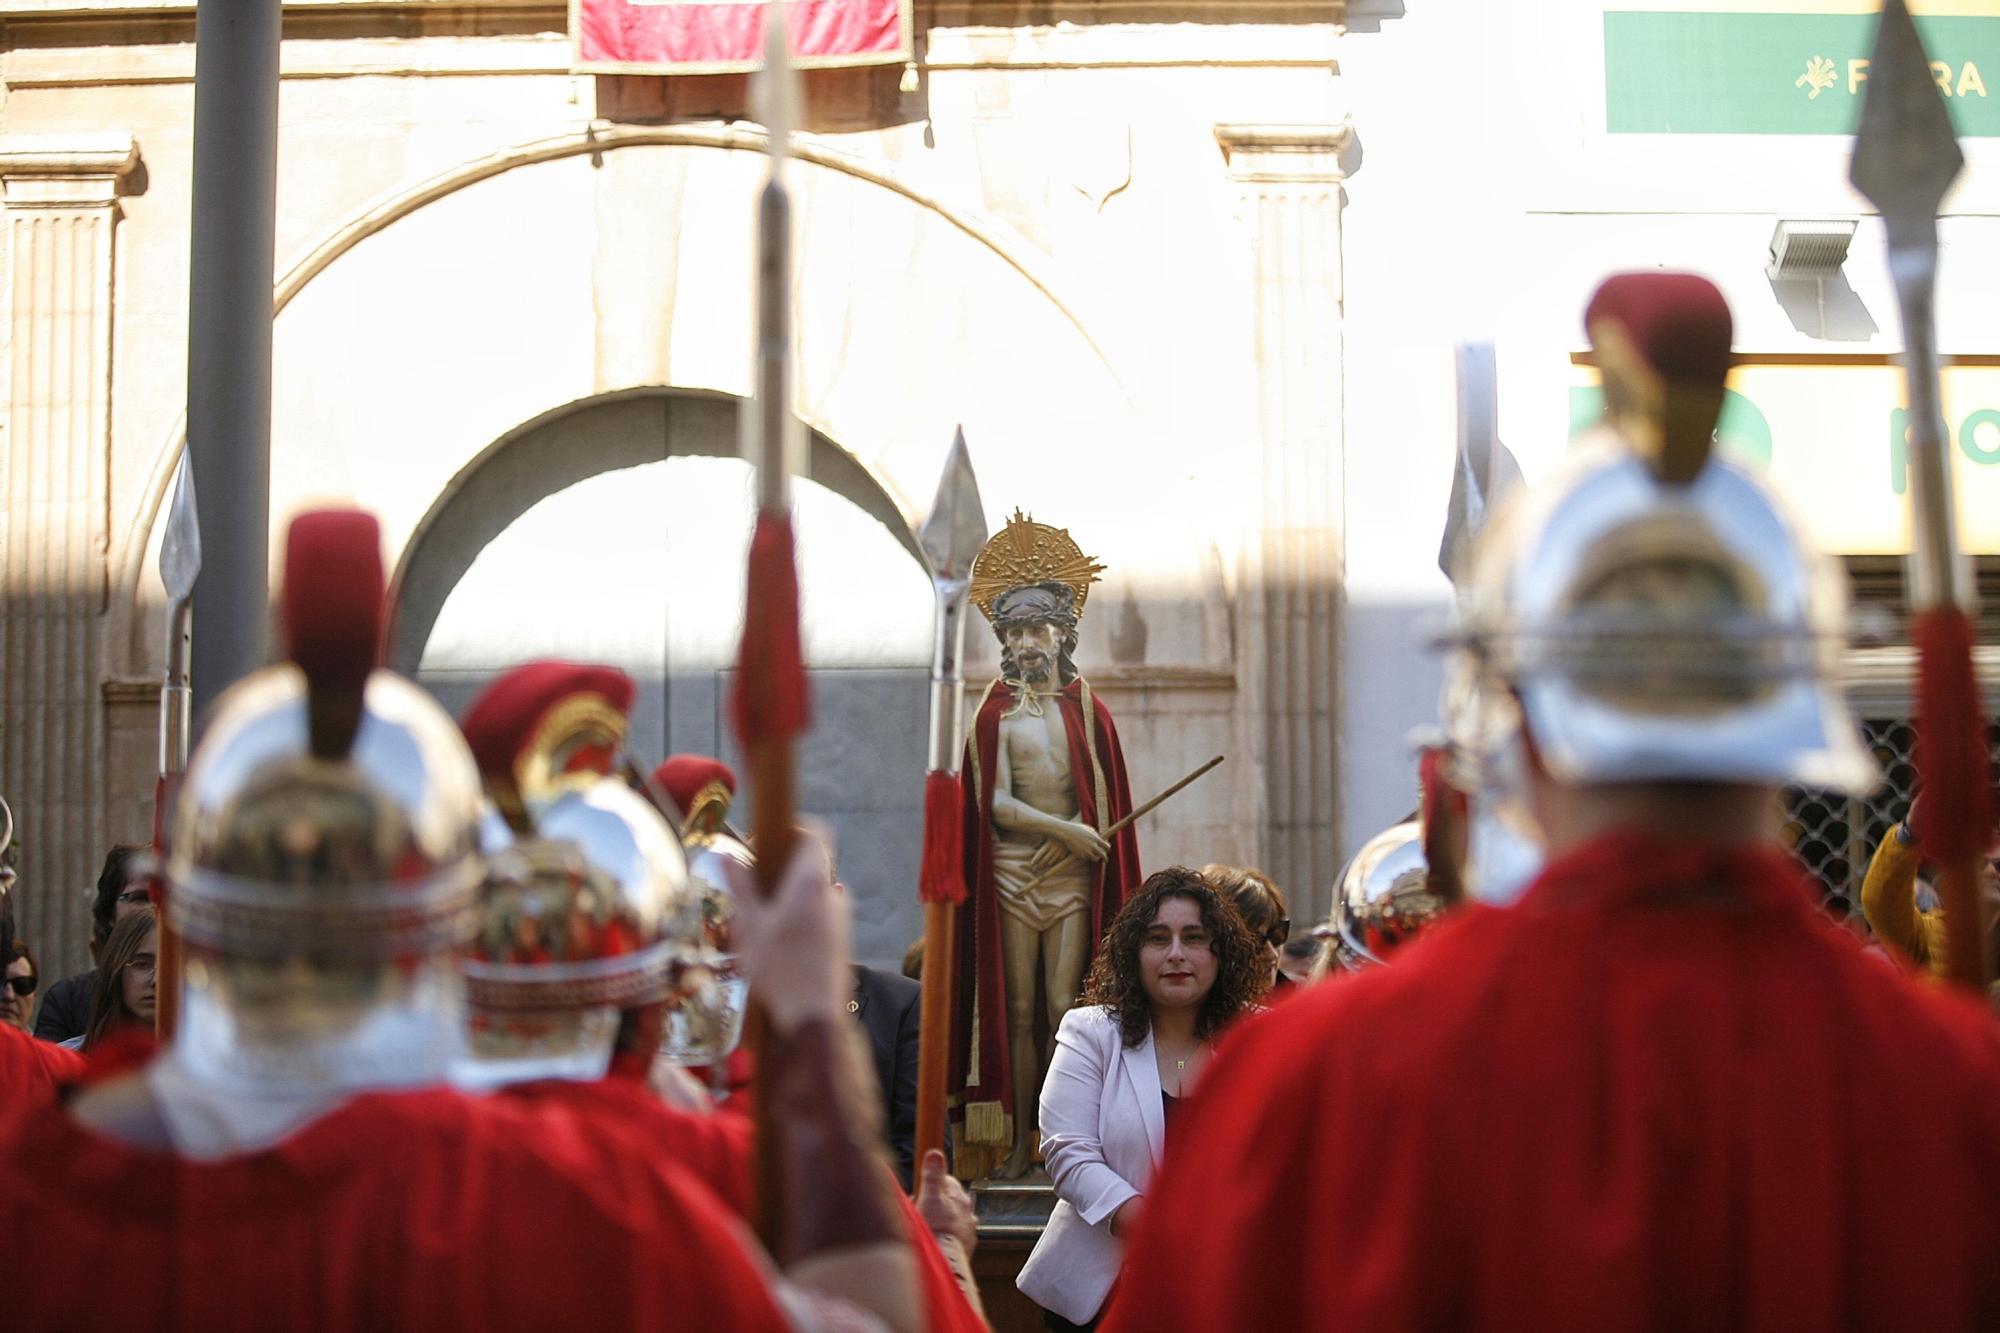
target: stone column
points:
(61, 200)
(1288, 659)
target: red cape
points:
(416, 1210)
(716, 1149)
(1660, 1093)
(32, 1069)
(1096, 764)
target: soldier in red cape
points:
(291, 1160)
(1044, 779)
(577, 1025)
(1660, 1091)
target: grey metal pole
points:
(230, 269)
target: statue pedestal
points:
(1012, 1215)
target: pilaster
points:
(60, 199)
(1288, 179)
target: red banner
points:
(727, 36)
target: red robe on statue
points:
(423, 1210)
(1661, 1092)
(1097, 767)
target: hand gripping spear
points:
(1905, 158)
(771, 703)
(954, 533)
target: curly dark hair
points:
(1241, 972)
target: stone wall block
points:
(60, 197)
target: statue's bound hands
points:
(1083, 841)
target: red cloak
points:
(716, 1149)
(1660, 1093)
(423, 1210)
(32, 1069)
(1097, 768)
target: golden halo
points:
(1026, 552)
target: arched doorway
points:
(615, 530)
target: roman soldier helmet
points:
(1653, 612)
(324, 850)
(705, 1029)
(701, 788)
(588, 912)
(1384, 898)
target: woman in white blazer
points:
(1175, 968)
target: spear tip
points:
(1905, 153)
(774, 91)
(956, 530)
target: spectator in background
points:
(1895, 903)
(123, 999)
(1296, 962)
(17, 996)
(1176, 968)
(1261, 904)
(65, 1007)
(886, 1007)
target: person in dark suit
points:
(886, 1006)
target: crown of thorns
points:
(1026, 553)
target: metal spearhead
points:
(951, 538)
(1905, 153)
(180, 548)
(955, 532)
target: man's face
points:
(19, 1010)
(1033, 646)
(130, 899)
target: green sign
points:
(1750, 73)
(1742, 433)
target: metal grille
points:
(1835, 835)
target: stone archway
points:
(615, 530)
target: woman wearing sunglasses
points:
(123, 998)
(1261, 904)
(17, 996)
(1176, 967)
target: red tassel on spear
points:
(951, 538)
(1905, 159)
(771, 705)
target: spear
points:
(954, 533)
(1905, 159)
(180, 565)
(771, 702)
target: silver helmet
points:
(588, 913)
(588, 916)
(324, 851)
(1654, 613)
(1383, 899)
(708, 1022)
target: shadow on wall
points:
(1392, 682)
(1825, 308)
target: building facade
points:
(1189, 275)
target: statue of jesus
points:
(1044, 779)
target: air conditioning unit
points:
(1814, 248)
